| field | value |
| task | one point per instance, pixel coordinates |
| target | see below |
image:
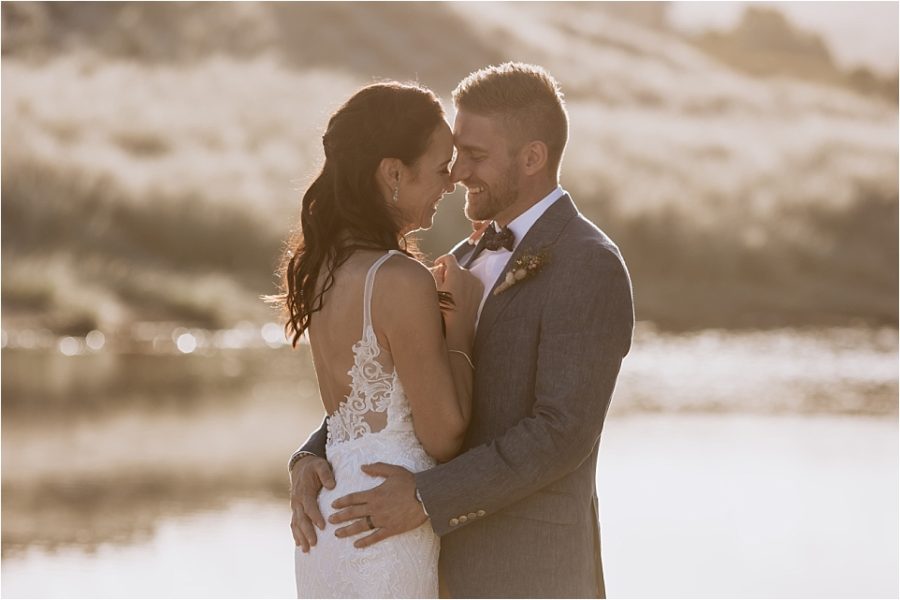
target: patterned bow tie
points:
(494, 240)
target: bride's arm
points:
(437, 382)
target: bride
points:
(396, 386)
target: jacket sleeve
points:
(585, 331)
(315, 443)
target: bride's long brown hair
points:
(343, 210)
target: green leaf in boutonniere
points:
(524, 267)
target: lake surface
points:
(732, 465)
(692, 507)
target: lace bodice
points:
(376, 400)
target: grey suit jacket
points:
(517, 509)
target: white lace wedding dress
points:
(373, 424)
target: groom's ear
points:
(534, 157)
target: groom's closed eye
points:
(472, 151)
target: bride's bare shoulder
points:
(404, 282)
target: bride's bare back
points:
(336, 328)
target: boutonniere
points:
(524, 267)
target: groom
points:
(517, 510)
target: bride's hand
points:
(438, 271)
(478, 228)
(308, 476)
(467, 291)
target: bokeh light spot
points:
(69, 346)
(95, 340)
(186, 343)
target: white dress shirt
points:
(488, 265)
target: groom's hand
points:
(308, 476)
(391, 507)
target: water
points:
(712, 506)
(692, 507)
(735, 465)
(244, 551)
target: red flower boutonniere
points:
(525, 266)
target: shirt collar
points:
(523, 223)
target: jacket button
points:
(454, 522)
(463, 518)
(472, 515)
(481, 513)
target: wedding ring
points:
(369, 521)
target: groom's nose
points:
(458, 173)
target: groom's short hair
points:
(528, 99)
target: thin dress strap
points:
(367, 298)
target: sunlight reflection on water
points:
(836, 370)
(151, 338)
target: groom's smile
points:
(472, 191)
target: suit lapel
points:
(543, 234)
(465, 252)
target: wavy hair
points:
(343, 210)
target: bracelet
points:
(297, 456)
(422, 503)
(464, 355)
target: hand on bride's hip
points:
(386, 510)
(308, 476)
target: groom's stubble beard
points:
(495, 199)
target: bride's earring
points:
(396, 194)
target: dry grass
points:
(164, 188)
